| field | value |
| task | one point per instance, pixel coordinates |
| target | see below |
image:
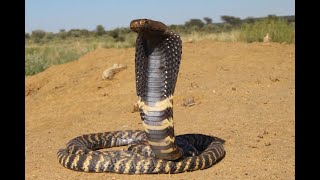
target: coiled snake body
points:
(156, 149)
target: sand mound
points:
(242, 93)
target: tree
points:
(249, 20)
(38, 34)
(114, 33)
(210, 28)
(177, 28)
(49, 35)
(84, 32)
(227, 27)
(290, 19)
(233, 21)
(100, 30)
(194, 23)
(207, 20)
(74, 32)
(26, 35)
(62, 34)
(272, 17)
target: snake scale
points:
(156, 149)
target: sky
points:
(53, 15)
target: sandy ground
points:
(244, 94)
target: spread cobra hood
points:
(157, 61)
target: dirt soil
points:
(242, 92)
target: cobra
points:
(156, 149)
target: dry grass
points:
(39, 57)
(231, 36)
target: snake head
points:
(148, 26)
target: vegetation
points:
(43, 49)
(278, 29)
(100, 30)
(231, 20)
(38, 58)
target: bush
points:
(100, 30)
(33, 62)
(62, 34)
(118, 34)
(233, 21)
(74, 33)
(114, 33)
(227, 27)
(249, 20)
(207, 20)
(84, 32)
(38, 34)
(209, 28)
(194, 23)
(49, 36)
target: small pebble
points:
(194, 85)
(188, 102)
(135, 108)
(267, 144)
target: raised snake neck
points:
(157, 60)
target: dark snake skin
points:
(156, 149)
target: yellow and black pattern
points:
(156, 149)
(200, 152)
